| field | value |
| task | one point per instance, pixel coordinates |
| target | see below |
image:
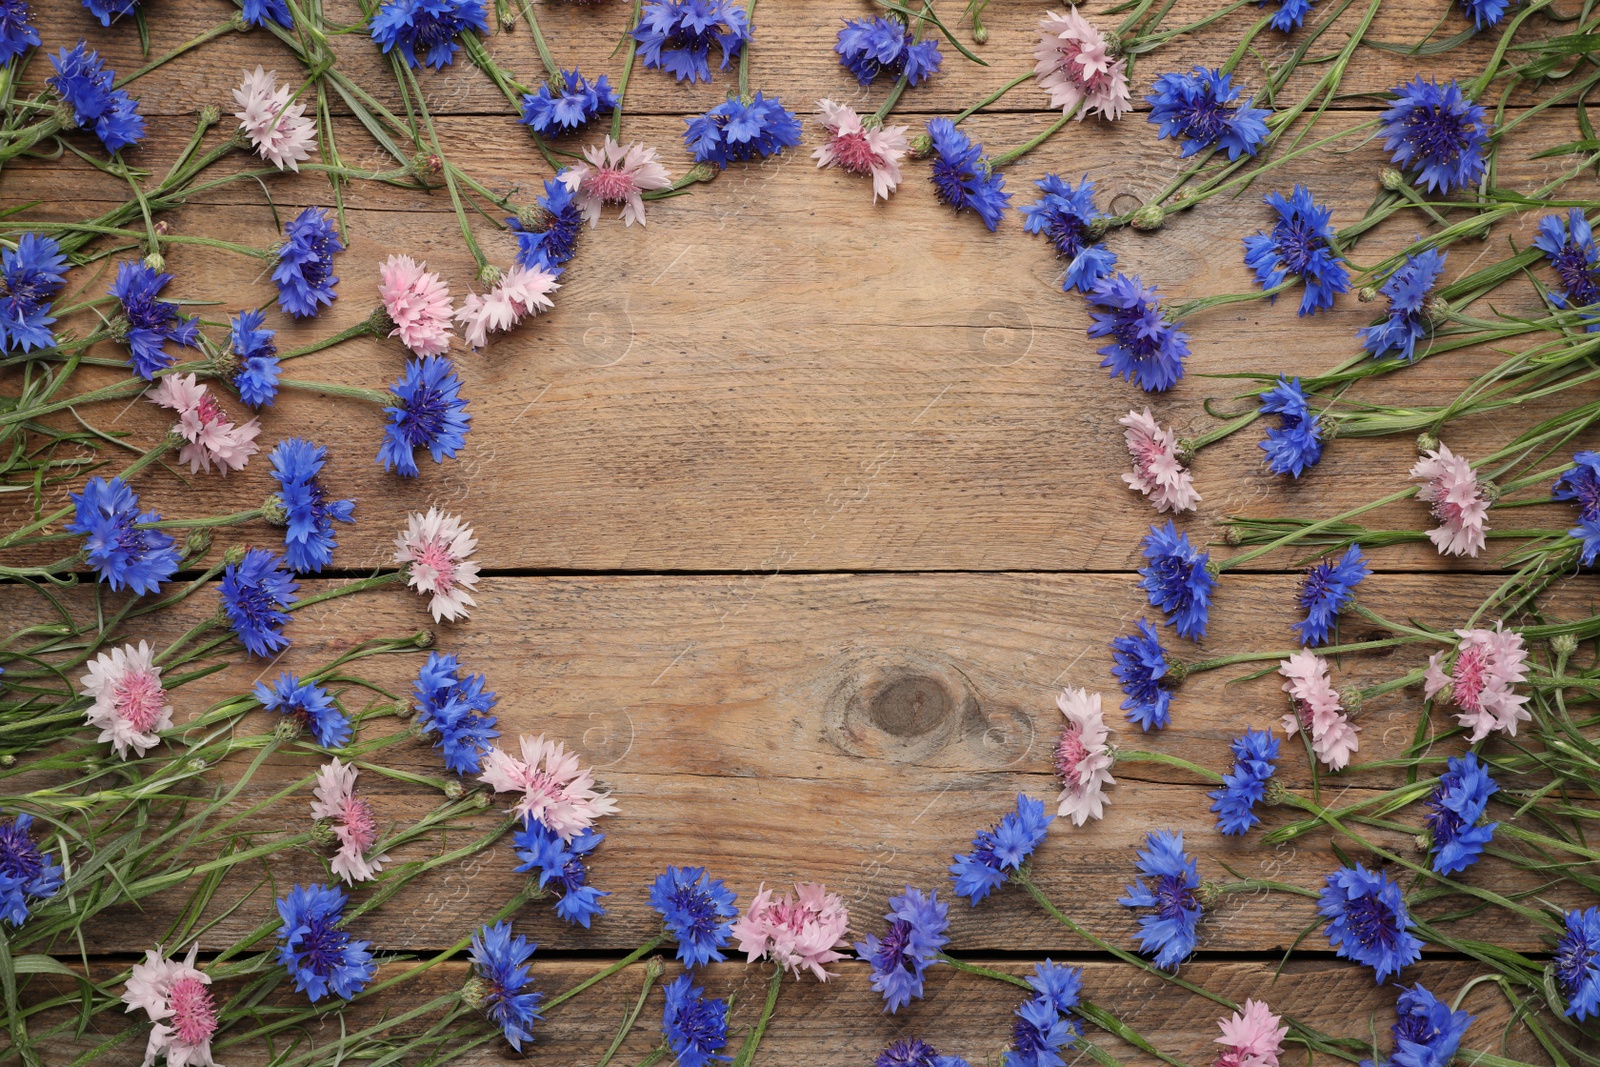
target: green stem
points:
(752, 1041)
(1023, 149)
(233, 25)
(353, 392)
(991, 98)
(601, 975)
(627, 71)
(651, 973)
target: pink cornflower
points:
(852, 147)
(794, 933)
(1252, 1037)
(1156, 470)
(1488, 664)
(279, 130)
(1458, 502)
(554, 791)
(130, 705)
(353, 823)
(521, 291)
(175, 997)
(1076, 66)
(212, 438)
(1082, 758)
(437, 546)
(419, 304)
(615, 175)
(1317, 709)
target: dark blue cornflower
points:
(1169, 935)
(1060, 984)
(1290, 14)
(1571, 251)
(429, 413)
(869, 47)
(425, 31)
(1301, 246)
(30, 275)
(676, 35)
(1577, 964)
(961, 174)
(696, 1029)
(456, 708)
(1485, 13)
(257, 12)
(307, 704)
(1426, 1032)
(304, 274)
(1296, 443)
(108, 10)
(84, 83)
(915, 1052)
(1326, 589)
(1145, 348)
(255, 591)
(1367, 920)
(256, 377)
(1066, 216)
(1200, 108)
(17, 34)
(150, 321)
(1039, 1035)
(916, 933)
(698, 911)
(1255, 756)
(1435, 130)
(1176, 580)
(739, 129)
(562, 862)
(1407, 289)
(566, 103)
(500, 964)
(316, 949)
(561, 222)
(1581, 485)
(1002, 848)
(1139, 663)
(122, 554)
(308, 541)
(1456, 808)
(27, 874)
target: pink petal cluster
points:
(212, 438)
(1156, 470)
(802, 931)
(1083, 759)
(353, 823)
(851, 146)
(130, 706)
(1075, 66)
(279, 130)
(175, 998)
(1317, 709)
(1458, 502)
(419, 304)
(615, 175)
(554, 790)
(436, 546)
(1252, 1038)
(521, 291)
(1488, 664)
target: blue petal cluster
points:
(456, 708)
(255, 591)
(1168, 935)
(1176, 580)
(108, 10)
(308, 541)
(316, 950)
(1144, 347)
(915, 1052)
(1426, 1032)
(1327, 587)
(27, 874)
(1139, 664)
(1456, 809)
(562, 862)
(1301, 246)
(425, 31)
(1571, 251)
(676, 35)
(258, 12)
(1065, 216)
(84, 83)
(30, 275)
(695, 1028)
(698, 911)
(1296, 442)
(740, 129)
(500, 962)
(961, 176)
(151, 321)
(17, 34)
(307, 704)
(1002, 848)
(1577, 963)
(1255, 756)
(256, 377)
(553, 245)
(1581, 485)
(123, 555)
(1200, 108)
(1289, 15)
(1438, 132)
(304, 274)
(428, 412)
(1045, 1024)
(1407, 289)
(1367, 920)
(870, 47)
(566, 104)
(900, 959)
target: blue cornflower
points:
(1139, 663)
(1255, 755)
(257, 12)
(961, 174)
(1039, 1034)
(1426, 1032)
(1296, 443)
(1066, 216)
(562, 222)
(1300, 245)
(256, 377)
(566, 104)
(1290, 14)
(1437, 131)
(695, 1028)
(255, 591)
(124, 556)
(500, 964)
(1577, 964)
(1407, 289)
(316, 950)
(429, 27)
(429, 413)
(27, 874)
(736, 129)
(1581, 485)
(30, 275)
(308, 542)
(676, 35)
(915, 1052)
(304, 274)
(1457, 806)
(1367, 920)
(698, 911)
(1326, 589)
(1199, 107)
(107, 10)
(869, 47)
(84, 83)
(562, 862)
(1060, 984)
(1004, 847)
(151, 321)
(1177, 581)
(1145, 348)
(455, 707)
(1571, 251)
(17, 34)
(1169, 935)
(1485, 13)
(307, 704)
(916, 933)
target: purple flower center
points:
(322, 946)
(1585, 486)
(1297, 245)
(19, 856)
(1028, 1041)
(424, 415)
(1573, 959)
(1174, 899)
(1068, 233)
(257, 603)
(1577, 274)
(1371, 924)
(1437, 134)
(891, 953)
(698, 913)
(1205, 120)
(1319, 586)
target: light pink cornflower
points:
(615, 175)
(175, 997)
(437, 546)
(353, 822)
(554, 790)
(851, 146)
(794, 932)
(521, 291)
(1076, 67)
(1488, 664)
(1156, 470)
(1317, 709)
(279, 130)
(130, 705)
(1083, 759)
(1252, 1037)
(419, 304)
(212, 437)
(1458, 502)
